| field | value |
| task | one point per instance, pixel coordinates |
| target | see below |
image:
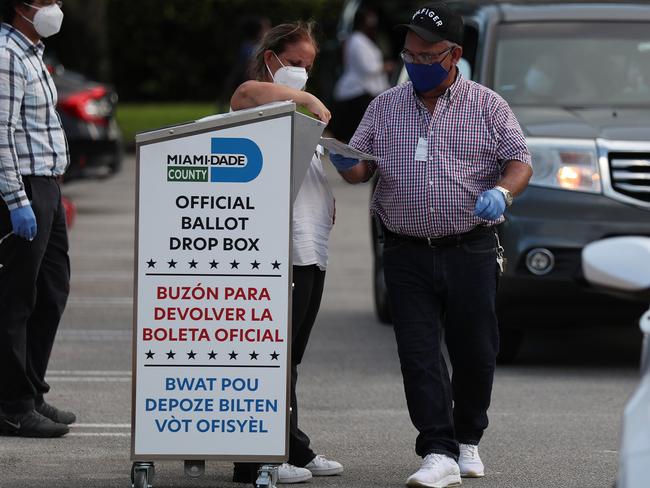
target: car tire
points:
(510, 340)
(382, 304)
(116, 164)
(380, 292)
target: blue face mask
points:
(426, 77)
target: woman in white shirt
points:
(364, 75)
(281, 65)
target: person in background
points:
(281, 65)
(35, 282)
(451, 157)
(253, 29)
(365, 75)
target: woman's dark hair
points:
(277, 40)
(362, 16)
(7, 11)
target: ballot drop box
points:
(212, 307)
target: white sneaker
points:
(437, 471)
(288, 473)
(320, 466)
(470, 462)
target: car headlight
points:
(566, 164)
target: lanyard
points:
(422, 111)
(422, 116)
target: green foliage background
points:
(153, 50)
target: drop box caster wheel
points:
(194, 469)
(140, 480)
(267, 476)
(142, 475)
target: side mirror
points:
(620, 264)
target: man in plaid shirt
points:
(451, 156)
(35, 272)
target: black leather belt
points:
(445, 241)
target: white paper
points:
(338, 147)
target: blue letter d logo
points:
(233, 152)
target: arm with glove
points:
(352, 170)
(491, 204)
(517, 168)
(23, 222)
(355, 170)
(13, 193)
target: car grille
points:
(630, 174)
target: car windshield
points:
(590, 64)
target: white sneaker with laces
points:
(321, 466)
(288, 473)
(470, 462)
(437, 471)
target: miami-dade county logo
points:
(232, 160)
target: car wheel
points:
(510, 340)
(382, 304)
(116, 163)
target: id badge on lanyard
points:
(421, 150)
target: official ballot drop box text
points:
(212, 340)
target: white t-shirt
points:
(363, 69)
(313, 215)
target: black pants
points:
(34, 287)
(450, 289)
(307, 292)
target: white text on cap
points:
(430, 13)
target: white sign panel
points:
(213, 284)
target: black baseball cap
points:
(436, 22)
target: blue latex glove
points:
(490, 205)
(342, 163)
(23, 221)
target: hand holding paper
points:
(338, 147)
(342, 163)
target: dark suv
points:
(577, 76)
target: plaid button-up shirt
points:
(32, 141)
(470, 136)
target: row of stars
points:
(151, 264)
(211, 355)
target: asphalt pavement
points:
(554, 420)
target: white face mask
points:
(292, 76)
(47, 21)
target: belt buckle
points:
(430, 242)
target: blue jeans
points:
(450, 289)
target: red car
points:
(87, 111)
